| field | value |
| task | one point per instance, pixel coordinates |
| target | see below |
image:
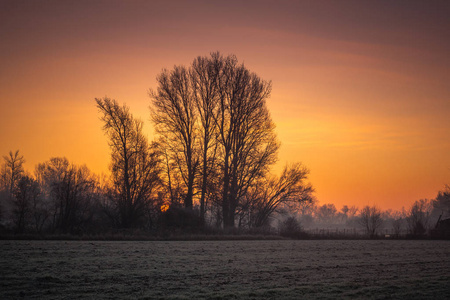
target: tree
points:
(274, 193)
(205, 74)
(70, 190)
(175, 118)
(326, 213)
(441, 205)
(12, 170)
(214, 116)
(26, 196)
(134, 167)
(418, 217)
(398, 219)
(370, 218)
(246, 135)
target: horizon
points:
(360, 90)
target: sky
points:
(361, 89)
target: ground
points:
(280, 269)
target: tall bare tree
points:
(245, 133)
(205, 74)
(134, 166)
(175, 118)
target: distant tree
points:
(26, 195)
(398, 220)
(418, 217)
(347, 214)
(441, 204)
(12, 170)
(291, 228)
(134, 167)
(370, 218)
(272, 194)
(326, 213)
(69, 190)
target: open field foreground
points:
(282, 269)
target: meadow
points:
(275, 269)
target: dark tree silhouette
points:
(70, 190)
(213, 116)
(418, 217)
(371, 220)
(175, 118)
(134, 167)
(441, 205)
(245, 133)
(205, 75)
(12, 170)
(26, 197)
(275, 193)
(327, 213)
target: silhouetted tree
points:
(441, 205)
(175, 118)
(398, 220)
(291, 227)
(370, 218)
(12, 170)
(205, 75)
(326, 213)
(26, 196)
(134, 165)
(418, 217)
(245, 133)
(69, 189)
(274, 193)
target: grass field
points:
(277, 269)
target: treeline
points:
(207, 167)
(425, 218)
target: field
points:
(281, 269)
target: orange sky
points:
(361, 91)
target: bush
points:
(291, 228)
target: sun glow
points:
(164, 207)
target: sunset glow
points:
(361, 92)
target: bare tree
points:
(245, 133)
(441, 205)
(69, 190)
(205, 74)
(418, 217)
(26, 195)
(398, 220)
(370, 218)
(175, 118)
(326, 213)
(134, 166)
(289, 188)
(12, 170)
